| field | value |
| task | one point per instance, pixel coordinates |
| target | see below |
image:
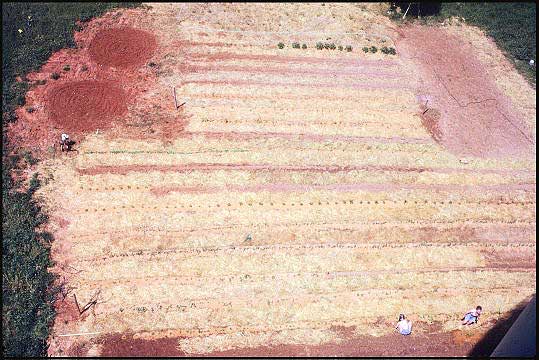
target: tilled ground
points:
(296, 202)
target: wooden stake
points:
(76, 302)
(175, 101)
(406, 12)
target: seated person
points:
(404, 326)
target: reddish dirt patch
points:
(125, 169)
(475, 118)
(431, 344)
(39, 130)
(86, 105)
(517, 258)
(122, 47)
(66, 311)
(378, 64)
(462, 337)
(121, 345)
(430, 119)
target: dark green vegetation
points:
(390, 50)
(27, 286)
(511, 25)
(424, 8)
(332, 46)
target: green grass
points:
(27, 287)
(511, 25)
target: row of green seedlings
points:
(319, 46)
(385, 50)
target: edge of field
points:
(31, 33)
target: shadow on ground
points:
(492, 338)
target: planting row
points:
(332, 46)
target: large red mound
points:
(122, 47)
(86, 105)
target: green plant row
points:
(331, 46)
(319, 46)
(384, 50)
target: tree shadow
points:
(492, 338)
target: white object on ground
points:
(80, 334)
(464, 161)
(532, 62)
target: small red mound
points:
(85, 105)
(122, 47)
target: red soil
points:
(430, 119)
(85, 105)
(103, 93)
(468, 114)
(125, 169)
(432, 343)
(123, 345)
(379, 64)
(122, 47)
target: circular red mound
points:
(86, 105)
(122, 47)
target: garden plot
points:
(295, 193)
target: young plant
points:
(392, 51)
(295, 45)
(319, 45)
(340, 48)
(304, 46)
(20, 100)
(332, 46)
(30, 109)
(365, 49)
(374, 49)
(84, 68)
(349, 48)
(67, 68)
(280, 45)
(55, 76)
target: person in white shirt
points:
(404, 326)
(471, 316)
(65, 144)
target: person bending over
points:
(472, 316)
